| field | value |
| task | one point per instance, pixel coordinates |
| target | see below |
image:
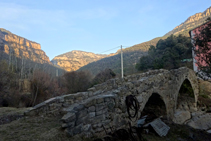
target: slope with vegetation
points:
(171, 53)
(134, 53)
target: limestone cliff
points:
(20, 47)
(72, 61)
(192, 22)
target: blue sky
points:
(94, 25)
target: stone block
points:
(40, 105)
(69, 124)
(103, 111)
(83, 120)
(100, 106)
(92, 89)
(140, 98)
(69, 117)
(111, 105)
(92, 114)
(90, 102)
(99, 100)
(79, 107)
(181, 116)
(97, 119)
(82, 113)
(86, 128)
(202, 122)
(97, 92)
(91, 109)
(90, 94)
(68, 97)
(51, 100)
(31, 113)
(77, 129)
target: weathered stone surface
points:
(201, 121)
(81, 113)
(91, 109)
(100, 100)
(97, 92)
(92, 114)
(90, 102)
(69, 124)
(69, 117)
(97, 118)
(77, 129)
(86, 128)
(40, 105)
(79, 107)
(83, 120)
(209, 131)
(107, 107)
(100, 112)
(139, 98)
(100, 106)
(181, 116)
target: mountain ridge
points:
(73, 60)
(134, 53)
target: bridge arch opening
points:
(155, 106)
(186, 97)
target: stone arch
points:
(155, 104)
(186, 83)
(185, 101)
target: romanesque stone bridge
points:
(84, 113)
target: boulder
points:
(201, 121)
(181, 116)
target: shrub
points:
(103, 76)
(77, 81)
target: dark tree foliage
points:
(202, 40)
(167, 54)
(103, 76)
(77, 81)
(8, 85)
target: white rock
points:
(181, 116)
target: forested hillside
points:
(134, 53)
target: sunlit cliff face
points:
(21, 47)
(74, 60)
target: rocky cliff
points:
(192, 22)
(72, 61)
(20, 47)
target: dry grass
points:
(11, 111)
(43, 128)
(33, 128)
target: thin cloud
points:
(24, 17)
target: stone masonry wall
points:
(84, 113)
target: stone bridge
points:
(84, 113)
